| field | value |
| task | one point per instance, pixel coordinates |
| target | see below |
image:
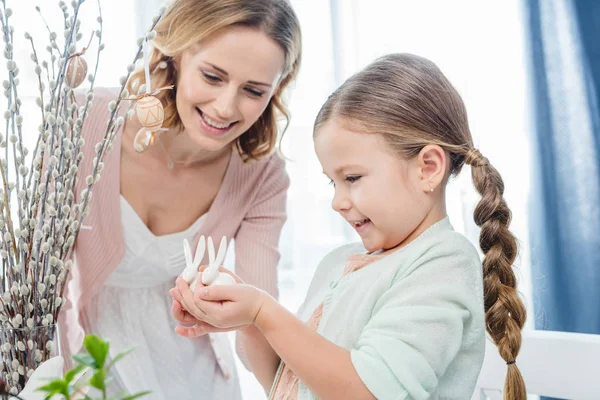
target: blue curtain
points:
(564, 44)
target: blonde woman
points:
(213, 173)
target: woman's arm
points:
(256, 259)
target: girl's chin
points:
(370, 246)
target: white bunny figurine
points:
(210, 276)
(191, 270)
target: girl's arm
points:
(324, 367)
(411, 339)
(263, 360)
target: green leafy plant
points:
(94, 361)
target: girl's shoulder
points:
(448, 256)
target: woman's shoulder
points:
(266, 174)
(273, 163)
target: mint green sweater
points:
(413, 320)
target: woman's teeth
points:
(214, 124)
(359, 223)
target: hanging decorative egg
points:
(76, 71)
(144, 138)
(150, 112)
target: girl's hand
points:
(197, 328)
(225, 307)
(179, 312)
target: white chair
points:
(555, 364)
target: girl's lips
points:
(363, 226)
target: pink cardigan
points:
(250, 207)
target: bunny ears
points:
(211, 273)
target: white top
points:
(134, 309)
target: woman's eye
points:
(352, 178)
(331, 182)
(254, 92)
(211, 78)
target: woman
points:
(213, 173)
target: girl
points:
(214, 172)
(403, 314)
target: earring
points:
(430, 188)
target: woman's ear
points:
(432, 163)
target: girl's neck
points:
(435, 215)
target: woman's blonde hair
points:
(186, 22)
(408, 100)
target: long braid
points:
(505, 313)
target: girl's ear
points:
(432, 162)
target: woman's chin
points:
(209, 143)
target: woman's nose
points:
(225, 105)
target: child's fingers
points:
(221, 292)
(203, 310)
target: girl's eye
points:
(352, 179)
(254, 92)
(331, 182)
(211, 78)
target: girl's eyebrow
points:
(348, 166)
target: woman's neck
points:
(177, 147)
(181, 149)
